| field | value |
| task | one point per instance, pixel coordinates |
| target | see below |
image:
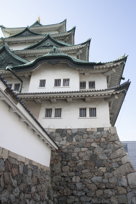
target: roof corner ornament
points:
(38, 19)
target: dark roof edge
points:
(124, 87)
(64, 56)
(64, 21)
(121, 87)
(24, 30)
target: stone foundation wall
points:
(91, 166)
(23, 181)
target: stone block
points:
(5, 154)
(122, 181)
(2, 165)
(121, 190)
(118, 153)
(125, 159)
(99, 193)
(123, 170)
(132, 180)
(108, 193)
(76, 179)
(122, 199)
(97, 179)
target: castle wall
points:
(70, 114)
(16, 136)
(51, 72)
(23, 181)
(59, 71)
(91, 166)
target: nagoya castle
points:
(75, 104)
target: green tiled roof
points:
(56, 54)
(25, 33)
(9, 58)
(47, 42)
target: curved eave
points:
(59, 27)
(67, 37)
(103, 93)
(71, 61)
(6, 49)
(32, 51)
(48, 37)
(117, 102)
(27, 29)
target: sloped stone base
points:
(91, 166)
(23, 181)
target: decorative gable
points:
(47, 42)
(25, 33)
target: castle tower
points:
(77, 102)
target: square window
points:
(57, 113)
(48, 113)
(83, 85)
(57, 82)
(42, 83)
(92, 112)
(16, 87)
(91, 84)
(65, 82)
(10, 86)
(82, 112)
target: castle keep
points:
(75, 103)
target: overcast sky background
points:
(111, 24)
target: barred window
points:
(91, 84)
(57, 82)
(48, 112)
(65, 82)
(83, 85)
(16, 87)
(82, 112)
(42, 83)
(92, 112)
(57, 113)
(10, 86)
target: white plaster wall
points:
(19, 138)
(100, 80)
(34, 108)
(51, 72)
(70, 115)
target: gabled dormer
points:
(47, 42)
(7, 57)
(25, 33)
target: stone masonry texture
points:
(91, 166)
(23, 181)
